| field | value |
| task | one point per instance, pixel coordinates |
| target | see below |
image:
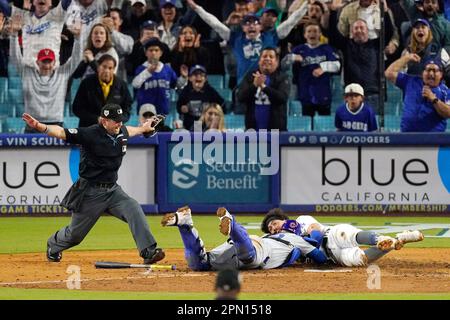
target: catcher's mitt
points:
(158, 123)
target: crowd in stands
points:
(335, 57)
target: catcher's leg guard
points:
(194, 250)
(242, 242)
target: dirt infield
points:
(407, 270)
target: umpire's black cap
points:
(112, 111)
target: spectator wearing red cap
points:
(44, 85)
(42, 26)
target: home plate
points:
(328, 270)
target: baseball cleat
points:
(408, 236)
(225, 221)
(385, 243)
(156, 256)
(181, 217)
(364, 260)
(53, 257)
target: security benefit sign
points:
(202, 170)
(366, 175)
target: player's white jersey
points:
(86, 16)
(40, 33)
(305, 221)
(271, 253)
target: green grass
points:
(26, 234)
(63, 294)
(22, 235)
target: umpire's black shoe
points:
(157, 255)
(53, 257)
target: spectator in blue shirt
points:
(447, 9)
(316, 62)
(426, 102)
(153, 79)
(355, 115)
(247, 43)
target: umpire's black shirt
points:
(101, 153)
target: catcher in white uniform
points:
(241, 250)
(341, 242)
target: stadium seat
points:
(71, 122)
(234, 121)
(391, 108)
(299, 123)
(12, 71)
(294, 108)
(226, 80)
(15, 83)
(216, 81)
(15, 99)
(2, 123)
(134, 120)
(3, 90)
(14, 125)
(173, 95)
(324, 123)
(392, 123)
(226, 94)
(74, 89)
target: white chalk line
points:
(328, 270)
(146, 276)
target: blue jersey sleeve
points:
(337, 119)
(331, 54)
(317, 256)
(372, 125)
(402, 80)
(5, 8)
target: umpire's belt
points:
(102, 185)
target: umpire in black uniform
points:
(103, 146)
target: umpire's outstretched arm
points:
(58, 132)
(51, 130)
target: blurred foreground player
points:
(103, 146)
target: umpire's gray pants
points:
(97, 201)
